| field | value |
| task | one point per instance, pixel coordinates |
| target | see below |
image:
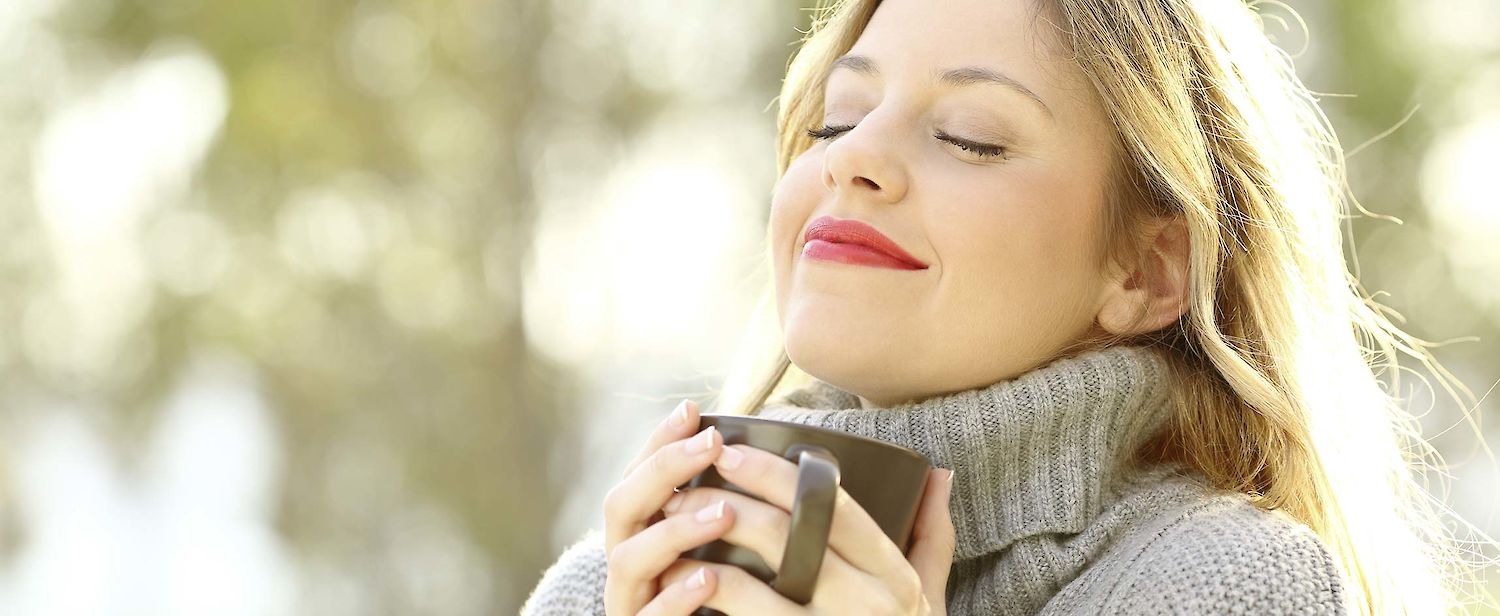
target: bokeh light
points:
(358, 307)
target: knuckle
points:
(613, 501)
(908, 590)
(630, 468)
(659, 462)
(614, 559)
(730, 578)
(691, 501)
(622, 562)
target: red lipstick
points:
(856, 243)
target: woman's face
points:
(1011, 241)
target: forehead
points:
(1016, 37)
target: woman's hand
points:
(863, 572)
(640, 542)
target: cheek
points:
(1019, 226)
(1018, 252)
(795, 198)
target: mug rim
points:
(859, 438)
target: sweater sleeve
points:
(574, 585)
(1240, 561)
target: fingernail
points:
(711, 512)
(730, 458)
(673, 503)
(950, 477)
(700, 577)
(702, 442)
(679, 414)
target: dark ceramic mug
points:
(887, 481)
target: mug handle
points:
(812, 516)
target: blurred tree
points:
(360, 227)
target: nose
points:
(864, 162)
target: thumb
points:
(933, 538)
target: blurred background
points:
(306, 306)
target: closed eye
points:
(981, 149)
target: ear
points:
(1151, 294)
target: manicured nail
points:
(700, 577)
(711, 512)
(702, 442)
(679, 414)
(730, 458)
(673, 503)
(950, 476)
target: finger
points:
(738, 593)
(763, 528)
(635, 500)
(681, 598)
(774, 479)
(680, 423)
(933, 538)
(638, 560)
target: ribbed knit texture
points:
(1051, 516)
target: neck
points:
(1037, 453)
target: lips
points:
(854, 241)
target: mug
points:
(886, 479)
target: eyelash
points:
(829, 132)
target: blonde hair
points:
(1278, 357)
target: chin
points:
(845, 361)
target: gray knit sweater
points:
(1051, 517)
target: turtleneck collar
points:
(1033, 454)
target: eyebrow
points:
(964, 76)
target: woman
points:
(1108, 291)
